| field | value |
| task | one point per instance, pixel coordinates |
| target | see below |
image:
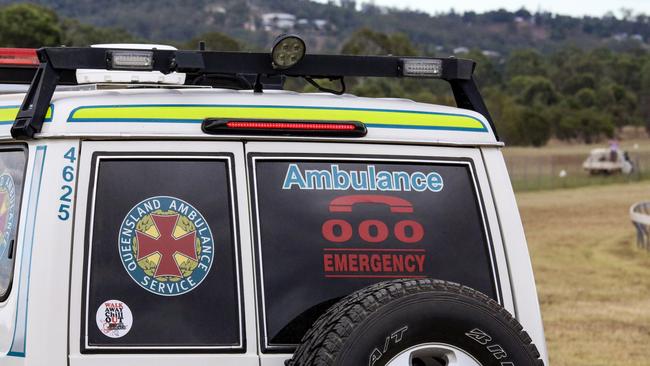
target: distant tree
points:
(644, 95)
(214, 41)
(469, 17)
(29, 25)
(238, 13)
(499, 16)
(370, 9)
(561, 26)
(368, 42)
(508, 123)
(77, 34)
(595, 62)
(578, 82)
(627, 14)
(533, 90)
(348, 4)
(525, 62)
(487, 71)
(626, 71)
(524, 125)
(585, 124)
(619, 103)
(378, 88)
(365, 41)
(536, 125)
(522, 12)
(586, 98)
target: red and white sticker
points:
(114, 318)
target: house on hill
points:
(278, 21)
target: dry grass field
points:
(593, 282)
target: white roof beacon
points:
(93, 76)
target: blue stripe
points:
(27, 246)
(142, 120)
(415, 127)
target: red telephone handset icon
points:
(345, 203)
(380, 229)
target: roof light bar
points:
(18, 57)
(283, 127)
(421, 67)
(130, 60)
(58, 66)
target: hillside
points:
(543, 76)
(326, 25)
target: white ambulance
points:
(164, 207)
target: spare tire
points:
(416, 323)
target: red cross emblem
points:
(166, 245)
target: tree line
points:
(571, 93)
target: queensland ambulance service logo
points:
(7, 210)
(166, 245)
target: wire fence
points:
(565, 171)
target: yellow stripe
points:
(198, 113)
(10, 113)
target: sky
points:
(566, 7)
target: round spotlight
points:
(288, 50)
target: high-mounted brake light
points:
(421, 67)
(18, 57)
(291, 126)
(283, 127)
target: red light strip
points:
(18, 56)
(291, 126)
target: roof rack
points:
(58, 65)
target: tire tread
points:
(321, 344)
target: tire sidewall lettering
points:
(450, 330)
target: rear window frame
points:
(252, 157)
(86, 313)
(25, 149)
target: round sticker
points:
(7, 210)
(166, 246)
(114, 318)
